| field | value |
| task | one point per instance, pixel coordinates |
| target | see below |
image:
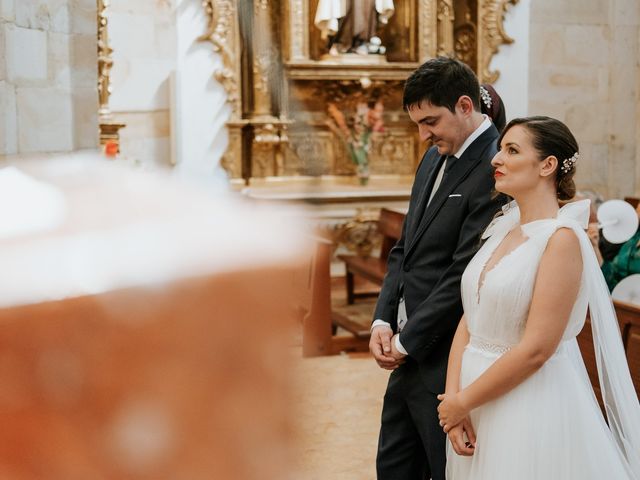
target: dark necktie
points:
(448, 161)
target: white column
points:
(513, 61)
(199, 108)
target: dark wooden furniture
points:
(313, 293)
(373, 269)
(629, 321)
(633, 201)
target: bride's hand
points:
(456, 437)
(451, 411)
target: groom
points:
(419, 306)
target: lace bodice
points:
(496, 311)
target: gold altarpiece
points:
(279, 82)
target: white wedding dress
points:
(550, 426)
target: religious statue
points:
(350, 26)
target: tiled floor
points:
(339, 400)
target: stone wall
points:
(48, 63)
(143, 37)
(584, 71)
(164, 88)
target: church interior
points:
(199, 198)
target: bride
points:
(518, 403)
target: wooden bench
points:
(313, 296)
(633, 201)
(373, 269)
(629, 322)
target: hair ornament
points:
(569, 163)
(485, 96)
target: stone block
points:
(626, 12)
(587, 44)
(143, 7)
(588, 121)
(8, 120)
(84, 60)
(3, 53)
(164, 33)
(589, 12)
(153, 124)
(85, 118)
(7, 10)
(49, 15)
(555, 110)
(547, 44)
(625, 44)
(621, 169)
(598, 158)
(140, 84)
(82, 16)
(150, 152)
(59, 60)
(566, 84)
(624, 82)
(132, 36)
(45, 120)
(26, 54)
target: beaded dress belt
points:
(489, 347)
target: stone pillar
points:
(583, 71)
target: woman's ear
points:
(548, 166)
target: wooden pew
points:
(373, 269)
(313, 292)
(629, 322)
(629, 319)
(633, 201)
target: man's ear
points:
(548, 166)
(465, 105)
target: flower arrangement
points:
(357, 133)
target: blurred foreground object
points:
(628, 290)
(143, 332)
(618, 220)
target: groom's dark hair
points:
(441, 81)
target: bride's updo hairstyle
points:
(552, 137)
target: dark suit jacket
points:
(433, 251)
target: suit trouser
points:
(412, 445)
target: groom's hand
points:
(395, 353)
(380, 347)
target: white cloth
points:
(330, 11)
(385, 10)
(550, 426)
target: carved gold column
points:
(466, 36)
(270, 135)
(446, 17)
(428, 36)
(491, 35)
(109, 128)
(222, 33)
(297, 46)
